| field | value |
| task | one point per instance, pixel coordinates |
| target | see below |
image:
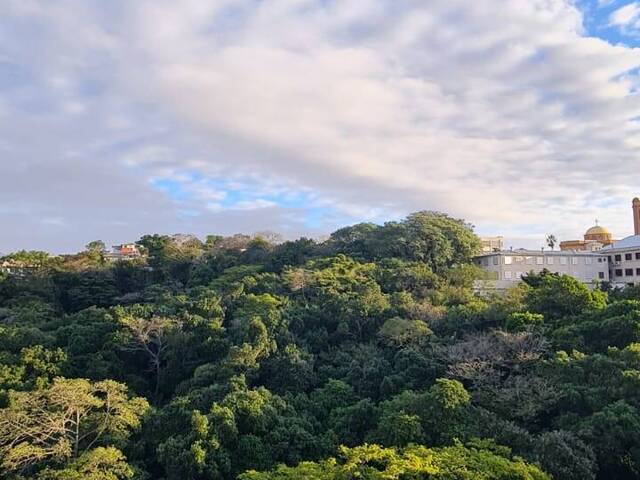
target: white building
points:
(506, 268)
(624, 261)
(126, 251)
(492, 244)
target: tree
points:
(291, 254)
(102, 463)
(400, 332)
(96, 246)
(151, 337)
(565, 456)
(371, 462)
(615, 434)
(552, 241)
(557, 296)
(435, 416)
(64, 421)
(430, 237)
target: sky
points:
(123, 118)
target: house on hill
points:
(126, 251)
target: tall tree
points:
(64, 421)
(151, 337)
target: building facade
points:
(492, 244)
(624, 261)
(507, 267)
(126, 251)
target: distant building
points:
(507, 267)
(492, 244)
(14, 268)
(594, 239)
(623, 256)
(624, 261)
(126, 251)
(19, 268)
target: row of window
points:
(627, 272)
(517, 275)
(627, 256)
(540, 260)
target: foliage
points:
(371, 462)
(65, 420)
(367, 355)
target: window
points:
(618, 258)
(518, 259)
(507, 260)
(638, 272)
(496, 260)
(628, 256)
(628, 272)
(618, 272)
(563, 260)
(507, 275)
(637, 255)
(609, 257)
(549, 260)
(485, 262)
(574, 261)
(518, 274)
(539, 261)
(588, 261)
(529, 260)
(601, 275)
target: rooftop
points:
(557, 253)
(632, 241)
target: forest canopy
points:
(368, 355)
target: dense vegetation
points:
(365, 356)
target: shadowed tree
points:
(150, 336)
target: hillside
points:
(366, 356)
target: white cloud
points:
(627, 17)
(518, 121)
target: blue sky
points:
(600, 20)
(124, 118)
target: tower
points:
(636, 216)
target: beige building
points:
(623, 256)
(507, 267)
(492, 244)
(594, 239)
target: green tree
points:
(401, 332)
(558, 296)
(102, 463)
(371, 462)
(64, 421)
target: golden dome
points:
(598, 230)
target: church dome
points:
(598, 230)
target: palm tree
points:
(552, 241)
